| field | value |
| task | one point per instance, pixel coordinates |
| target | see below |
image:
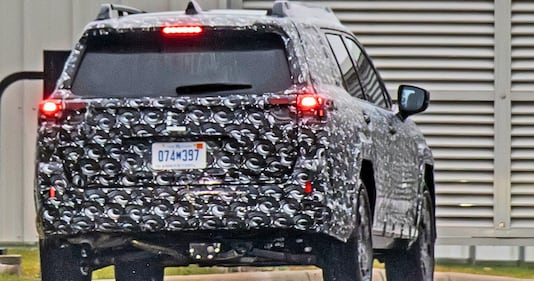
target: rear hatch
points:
(181, 108)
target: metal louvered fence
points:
(477, 59)
(475, 56)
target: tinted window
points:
(351, 82)
(147, 64)
(368, 76)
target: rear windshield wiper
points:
(211, 87)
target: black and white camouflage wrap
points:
(259, 154)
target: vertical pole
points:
(522, 256)
(503, 108)
(472, 259)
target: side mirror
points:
(412, 100)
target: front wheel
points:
(353, 260)
(416, 263)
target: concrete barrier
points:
(10, 264)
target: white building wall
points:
(11, 59)
(453, 252)
(498, 253)
(27, 27)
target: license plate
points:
(178, 155)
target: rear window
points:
(135, 64)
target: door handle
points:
(366, 118)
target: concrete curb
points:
(453, 276)
(315, 275)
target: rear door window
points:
(135, 64)
(369, 78)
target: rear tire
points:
(139, 270)
(416, 263)
(353, 260)
(61, 261)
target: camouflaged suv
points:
(230, 138)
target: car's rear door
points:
(396, 156)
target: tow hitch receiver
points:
(204, 251)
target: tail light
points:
(306, 103)
(50, 108)
(311, 104)
(54, 108)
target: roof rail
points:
(106, 11)
(284, 8)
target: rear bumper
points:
(179, 208)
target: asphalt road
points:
(315, 275)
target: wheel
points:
(416, 263)
(353, 260)
(139, 270)
(61, 261)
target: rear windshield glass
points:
(136, 64)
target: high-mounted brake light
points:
(50, 108)
(181, 30)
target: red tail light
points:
(50, 108)
(171, 31)
(311, 104)
(307, 104)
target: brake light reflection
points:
(308, 187)
(181, 30)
